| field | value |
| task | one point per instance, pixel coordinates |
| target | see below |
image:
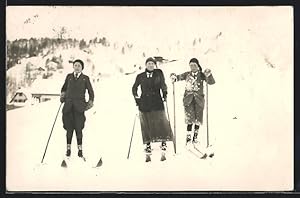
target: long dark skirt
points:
(155, 127)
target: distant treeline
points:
(22, 48)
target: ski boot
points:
(148, 149)
(195, 137)
(188, 138)
(68, 153)
(163, 149)
(80, 153)
(148, 152)
(163, 146)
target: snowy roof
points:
(26, 91)
(52, 63)
(34, 60)
(41, 68)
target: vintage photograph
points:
(149, 98)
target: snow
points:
(42, 85)
(252, 152)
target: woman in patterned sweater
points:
(193, 99)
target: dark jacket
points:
(75, 92)
(151, 99)
(194, 87)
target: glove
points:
(62, 97)
(89, 105)
(137, 100)
(173, 77)
(207, 72)
(165, 93)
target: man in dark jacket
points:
(73, 95)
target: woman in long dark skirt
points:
(154, 124)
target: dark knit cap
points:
(79, 61)
(150, 59)
(195, 60)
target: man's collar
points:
(148, 71)
(77, 74)
(149, 74)
(195, 73)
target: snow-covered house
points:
(22, 97)
(40, 69)
(51, 66)
(40, 91)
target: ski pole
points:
(131, 136)
(207, 132)
(174, 136)
(51, 133)
(174, 140)
(167, 111)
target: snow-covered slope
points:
(245, 148)
(250, 121)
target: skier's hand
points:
(62, 97)
(89, 105)
(137, 100)
(173, 77)
(165, 93)
(207, 72)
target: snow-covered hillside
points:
(250, 118)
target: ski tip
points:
(163, 158)
(64, 164)
(99, 163)
(148, 158)
(211, 155)
(204, 156)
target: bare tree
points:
(60, 32)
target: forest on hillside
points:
(26, 48)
